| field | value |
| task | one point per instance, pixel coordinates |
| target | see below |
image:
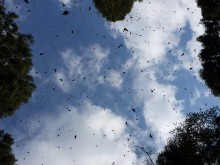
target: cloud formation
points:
(115, 79)
(84, 68)
(83, 135)
(155, 34)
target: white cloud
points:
(100, 138)
(191, 59)
(195, 97)
(160, 107)
(84, 68)
(67, 3)
(62, 81)
(155, 29)
(34, 73)
(97, 57)
(115, 79)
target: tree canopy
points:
(16, 85)
(210, 53)
(196, 141)
(6, 155)
(114, 10)
(210, 9)
(210, 56)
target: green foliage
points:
(210, 54)
(114, 10)
(16, 85)
(194, 142)
(6, 155)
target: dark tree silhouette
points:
(114, 10)
(16, 85)
(210, 54)
(195, 142)
(210, 9)
(6, 155)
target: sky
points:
(103, 91)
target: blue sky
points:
(91, 75)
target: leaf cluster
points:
(6, 155)
(114, 10)
(16, 85)
(196, 141)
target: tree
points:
(16, 85)
(196, 141)
(114, 10)
(210, 56)
(6, 155)
(206, 5)
(210, 53)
